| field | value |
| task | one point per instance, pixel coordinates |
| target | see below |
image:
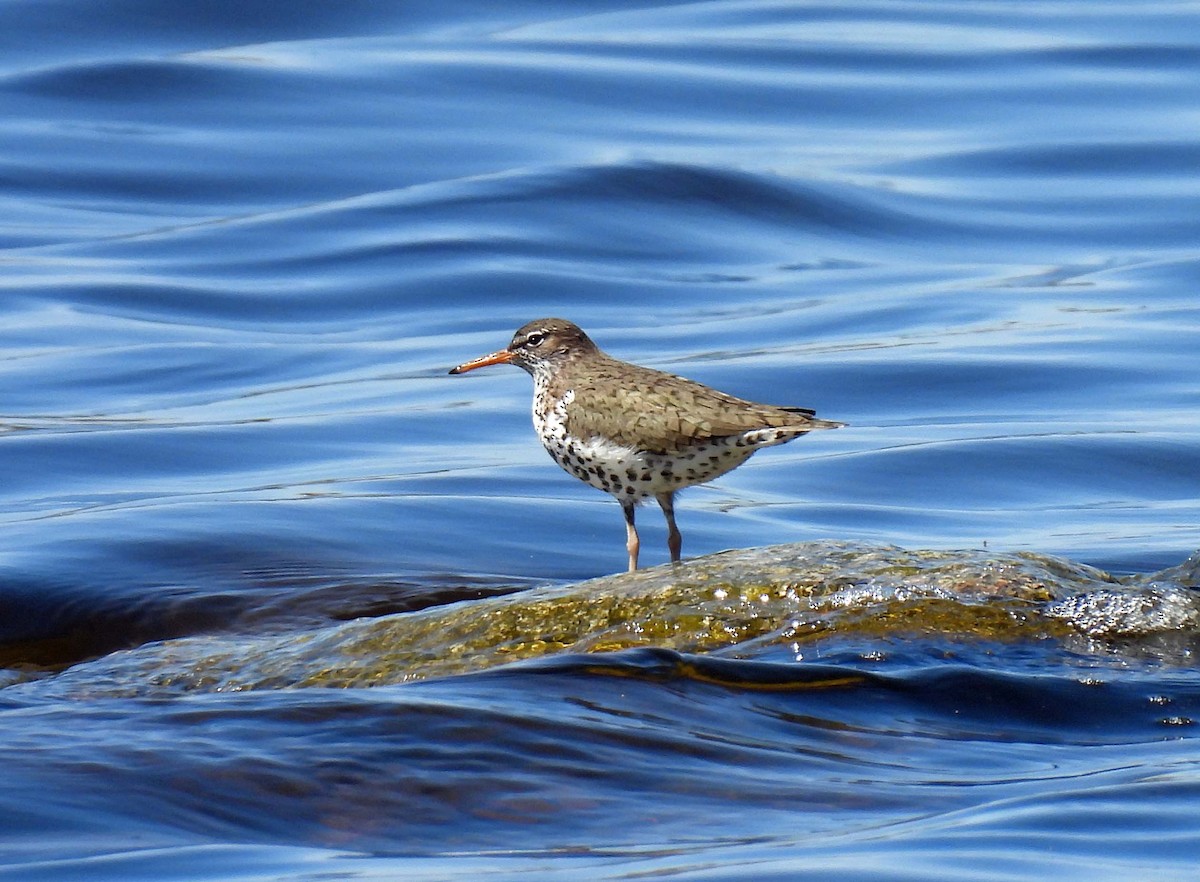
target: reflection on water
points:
(242, 245)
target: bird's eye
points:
(535, 339)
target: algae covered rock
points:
(739, 603)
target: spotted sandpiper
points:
(633, 431)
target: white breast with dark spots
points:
(633, 474)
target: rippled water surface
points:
(281, 599)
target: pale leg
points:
(631, 537)
(674, 540)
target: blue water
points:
(242, 244)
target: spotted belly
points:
(631, 474)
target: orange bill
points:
(501, 357)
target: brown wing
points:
(652, 410)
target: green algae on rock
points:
(737, 602)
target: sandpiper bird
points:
(633, 431)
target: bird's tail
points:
(812, 422)
(824, 424)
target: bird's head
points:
(539, 346)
